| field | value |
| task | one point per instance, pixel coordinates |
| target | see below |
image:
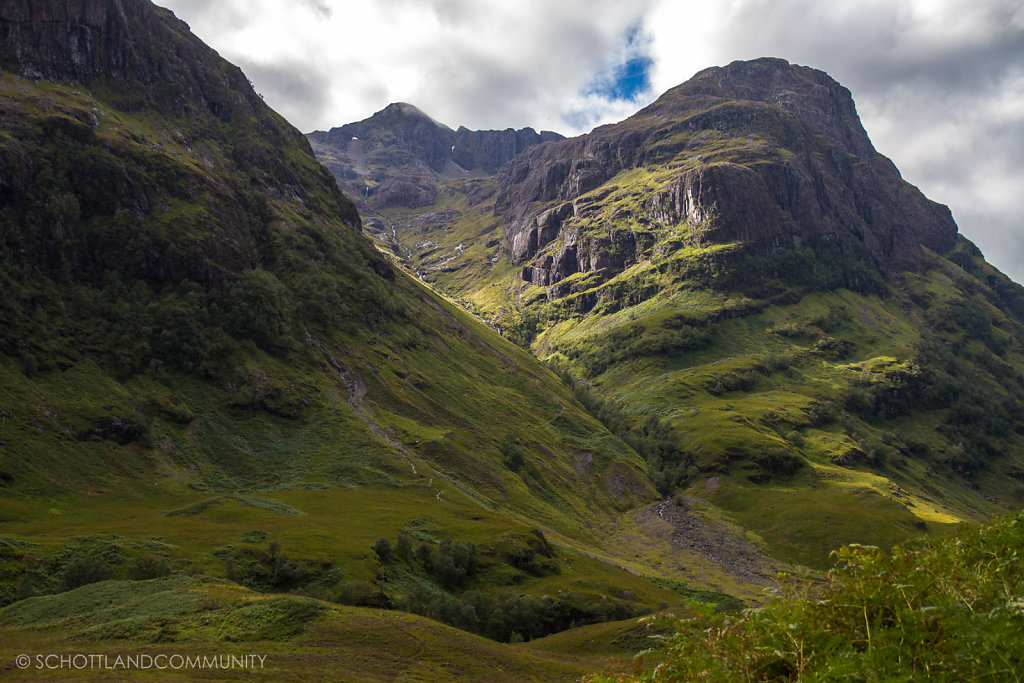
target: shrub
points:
(512, 453)
(950, 611)
(403, 547)
(425, 554)
(362, 594)
(382, 547)
(84, 571)
(148, 567)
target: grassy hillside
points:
(227, 419)
(123, 392)
(753, 403)
(772, 402)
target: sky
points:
(939, 84)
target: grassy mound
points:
(298, 638)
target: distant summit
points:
(397, 156)
(397, 111)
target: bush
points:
(382, 547)
(148, 567)
(84, 571)
(425, 554)
(951, 611)
(512, 453)
(795, 438)
(403, 547)
(362, 594)
(287, 573)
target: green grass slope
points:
(218, 319)
(832, 417)
(813, 417)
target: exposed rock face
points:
(764, 153)
(400, 144)
(149, 57)
(488, 150)
(412, 192)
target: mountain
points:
(738, 284)
(761, 153)
(209, 371)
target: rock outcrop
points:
(149, 58)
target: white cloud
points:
(480, 63)
(939, 83)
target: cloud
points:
(299, 88)
(479, 63)
(939, 83)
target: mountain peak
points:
(810, 95)
(761, 79)
(381, 158)
(403, 111)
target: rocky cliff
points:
(763, 153)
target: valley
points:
(482, 400)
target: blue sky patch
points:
(630, 79)
(630, 75)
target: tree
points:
(425, 553)
(84, 571)
(446, 572)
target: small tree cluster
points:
(148, 567)
(511, 617)
(271, 570)
(450, 563)
(668, 466)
